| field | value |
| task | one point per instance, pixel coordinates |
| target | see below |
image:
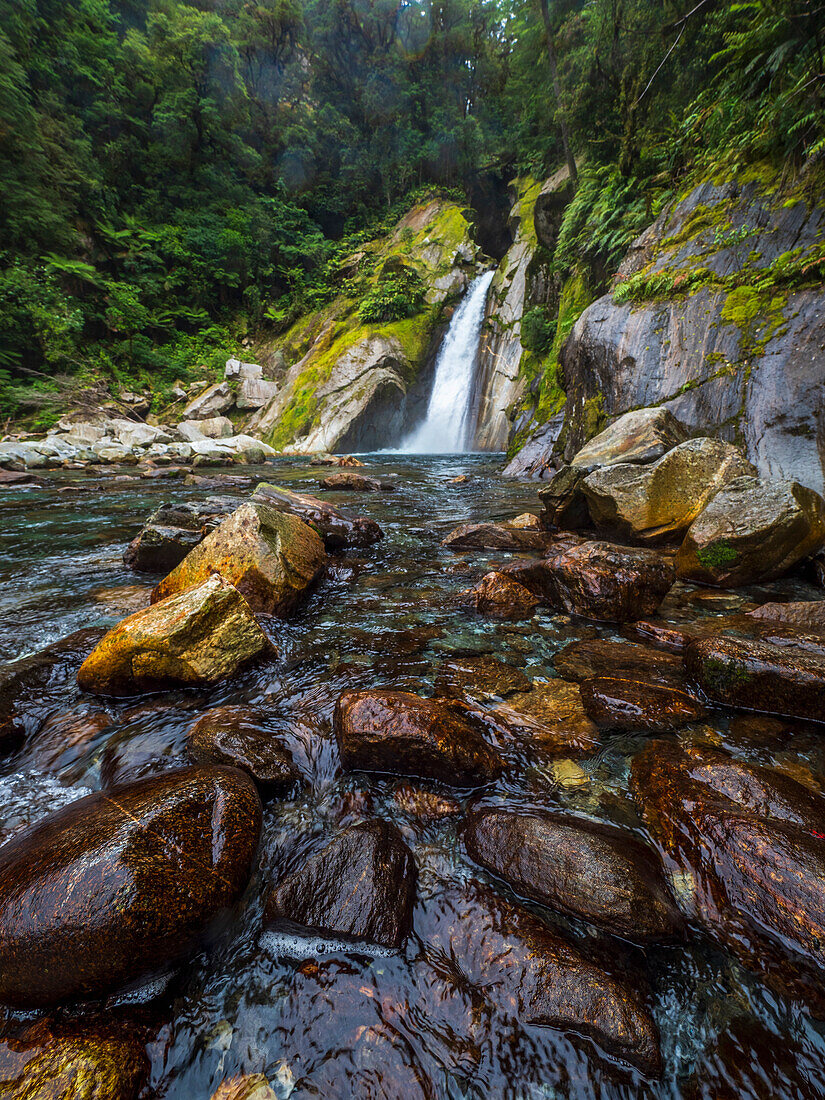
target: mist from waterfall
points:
(444, 429)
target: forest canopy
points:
(172, 173)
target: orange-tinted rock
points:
(746, 846)
(271, 557)
(203, 636)
(338, 529)
(495, 536)
(424, 805)
(809, 614)
(248, 1086)
(404, 734)
(118, 886)
(594, 872)
(74, 1060)
(631, 705)
(528, 971)
(550, 717)
(479, 678)
(356, 483)
(593, 657)
(755, 676)
(500, 597)
(360, 886)
(230, 735)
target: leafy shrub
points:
(397, 295)
(537, 331)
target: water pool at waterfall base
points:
(434, 1019)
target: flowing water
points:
(325, 1019)
(444, 429)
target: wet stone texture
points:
(233, 736)
(500, 596)
(359, 886)
(116, 886)
(628, 704)
(337, 528)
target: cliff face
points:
(349, 384)
(717, 313)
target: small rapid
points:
(444, 430)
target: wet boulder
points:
(632, 705)
(203, 636)
(659, 501)
(356, 483)
(272, 558)
(500, 596)
(399, 733)
(527, 971)
(641, 436)
(745, 848)
(359, 886)
(563, 498)
(550, 717)
(172, 531)
(598, 580)
(233, 736)
(807, 614)
(120, 885)
(92, 1059)
(495, 536)
(590, 871)
(595, 657)
(479, 678)
(338, 529)
(753, 675)
(753, 530)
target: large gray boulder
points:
(254, 393)
(213, 401)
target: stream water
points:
(330, 1020)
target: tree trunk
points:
(551, 57)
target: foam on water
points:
(293, 946)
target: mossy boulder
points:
(753, 530)
(271, 557)
(200, 637)
(642, 436)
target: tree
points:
(560, 111)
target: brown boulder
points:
(549, 717)
(528, 971)
(630, 705)
(500, 597)
(230, 735)
(272, 558)
(360, 886)
(479, 678)
(752, 675)
(640, 436)
(356, 483)
(495, 536)
(400, 733)
(594, 872)
(809, 614)
(202, 636)
(338, 529)
(118, 885)
(594, 657)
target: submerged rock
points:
(529, 972)
(550, 717)
(271, 558)
(248, 1086)
(753, 675)
(753, 530)
(657, 502)
(640, 436)
(74, 1060)
(501, 597)
(203, 636)
(594, 657)
(479, 678)
(230, 735)
(404, 734)
(116, 886)
(359, 886)
(338, 529)
(630, 705)
(594, 872)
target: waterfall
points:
(444, 428)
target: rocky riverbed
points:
(414, 783)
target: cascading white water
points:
(444, 429)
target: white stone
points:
(190, 430)
(216, 427)
(132, 434)
(213, 401)
(249, 371)
(254, 393)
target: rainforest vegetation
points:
(173, 174)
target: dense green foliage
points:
(173, 174)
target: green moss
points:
(722, 677)
(593, 418)
(741, 307)
(718, 555)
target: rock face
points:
(598, 580)
(501, 597)
(659, 501)
(348, 387)
(116, 886)
(594, 872)
(633, 705)
(640, 436)
(360, 886)
(752, 675)
(722, 360)
(403, 734)
(745, 842)
(754, 530)
(271, 557)
(229, 735)
(202, 636)
(527, 971)
(338, 529)
(534, 460)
